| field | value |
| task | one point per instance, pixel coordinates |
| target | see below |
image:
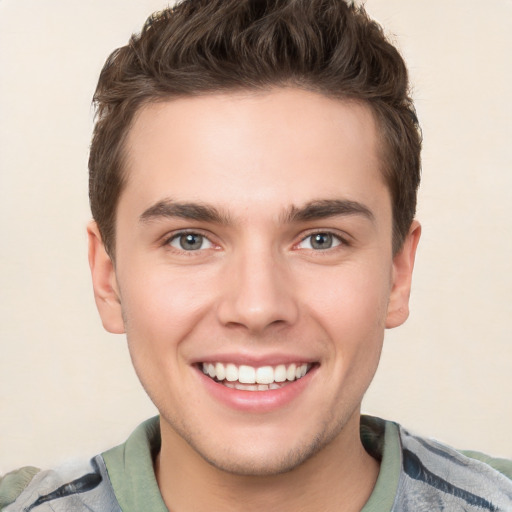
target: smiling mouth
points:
(249, 378)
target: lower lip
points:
(257, 401)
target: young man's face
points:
(253, 240)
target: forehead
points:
(270, 149)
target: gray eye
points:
(190, 242)
(321, 241)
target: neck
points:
(342, 474)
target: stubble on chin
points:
(252, 464)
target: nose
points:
(257, 293)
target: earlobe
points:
(106, 293)
(403, 264)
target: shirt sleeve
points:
(504, 466)
(13, 483)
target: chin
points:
(260, 464)
(264, 459)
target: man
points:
(253, 178)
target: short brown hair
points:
(204, 46)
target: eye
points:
(190, 242)
(320, 241)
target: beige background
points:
(67, 388)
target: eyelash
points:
(341, 241)
(337, 240)
(176, 236)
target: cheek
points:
(350, 299)
(160, 311)
(161, 307)
(350, 307)
(352, 312)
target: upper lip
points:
(255, 360)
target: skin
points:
(256, 289)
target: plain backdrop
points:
(67, 388)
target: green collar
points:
(381, 440)
(130, 469)
(130, 466)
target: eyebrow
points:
(324, 208)
(314, 210)
(167, 208)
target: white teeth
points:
(254, 379)
(231, 372)
(246, 374)
(251, 387)
(300, 371)
(280, 373)
(247, 387)
(265, 375)
(220, 371)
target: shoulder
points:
(503, 466)
(12, 484)
(420, 474)
(121, 478)
(77, 486)
(438, 474)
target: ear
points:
(106, 293)
(403, 264)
